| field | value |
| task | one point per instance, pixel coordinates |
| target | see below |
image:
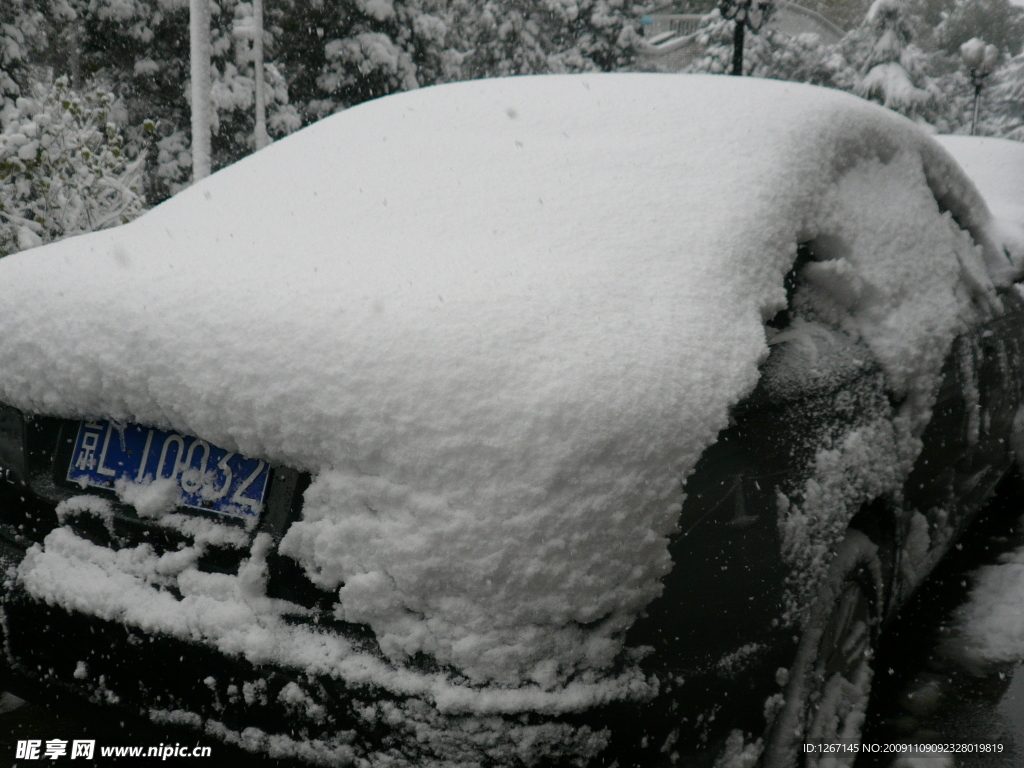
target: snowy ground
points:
(949, 669)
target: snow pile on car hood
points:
(500, 321)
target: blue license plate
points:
(210, 478)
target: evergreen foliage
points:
(63, 168)
(998, 22)
(893, 71)
(1007, 97)
(890, 57)
(321, 56)
(23, 39)
(802, 58)
(326, 55)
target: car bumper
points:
(322, 718)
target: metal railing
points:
(660, 27)
(677, 24)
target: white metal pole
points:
(199, 39)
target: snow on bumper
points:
(227, 613)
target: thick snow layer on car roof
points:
(500, 321)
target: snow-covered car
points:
(541, 420)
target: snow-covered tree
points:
(582, 35)
(802, 58)
(511, 38)
(63, 168)
(23, 36)
(890, 68)
(260, 135)
(141, 48)
(335, 55)
(319, 57)
(998, 22)
(393, 45)
(1007, 100)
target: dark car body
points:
(725, 594)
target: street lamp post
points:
(981, 61)
(750, 14)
